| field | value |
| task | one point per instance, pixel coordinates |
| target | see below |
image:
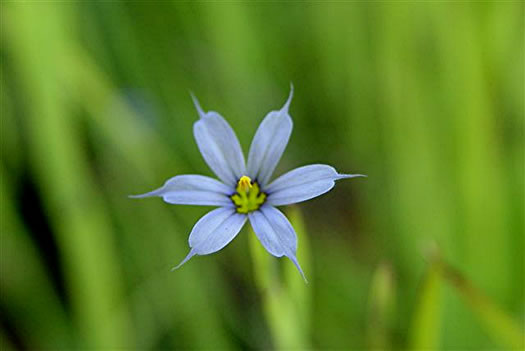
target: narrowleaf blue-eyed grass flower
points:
(244, 191)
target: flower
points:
(244, 191)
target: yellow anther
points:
(245, 183)
(248, 197)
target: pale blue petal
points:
(214, 231)
(269, 143)
(275, 233)
(303, 183)
(193, 190)
(219, 146)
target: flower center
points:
(249, 196)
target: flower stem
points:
(285, 297)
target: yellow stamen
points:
(248, 197)
(245, 183)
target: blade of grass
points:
(60, 166)
(299, 292)
(284, 302)
(497, 323)
(37, 317)
(425, 328)
(381, 308)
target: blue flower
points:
(244, 191)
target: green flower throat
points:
(249, 196)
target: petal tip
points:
(347, 176)
(286, 106)
(186, 259)
(142, 196)
(296, 263)
(197, 105)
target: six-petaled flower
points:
(244, 191)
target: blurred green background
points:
(426, 98)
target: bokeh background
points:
(426, 98)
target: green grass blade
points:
(427, 317)
(381, 308)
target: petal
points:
(219, 146)
(269, 143)
(275, 233)
(303, 183)
(214, 231)
(193, 190)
